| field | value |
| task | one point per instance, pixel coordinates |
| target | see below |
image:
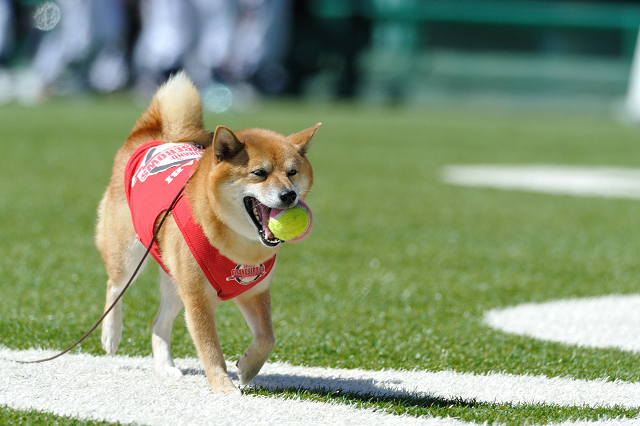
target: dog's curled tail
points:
(175, 113)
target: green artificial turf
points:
(398, 270)
(32, 418)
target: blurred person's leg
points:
(260, 43)
(167, 31)
(216, 25)
(109, 70)
(67, 42)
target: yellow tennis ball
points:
(291, 224)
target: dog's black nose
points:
(288, 196)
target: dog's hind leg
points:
(170, 306)
(255, 306)
(119, 275)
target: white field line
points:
(609, 182)
(598, 322)
(125, 389)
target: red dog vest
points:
(153, 177)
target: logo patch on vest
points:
(163, 157)
(245, 275)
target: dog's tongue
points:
(264, 213)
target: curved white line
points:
(597, 322)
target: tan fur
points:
(223, 177)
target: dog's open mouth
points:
(259, 214)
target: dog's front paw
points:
(254, 358)
(223, 385)
(230, 391)
(247, 370)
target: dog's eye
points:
(292, 173)
(260, 173)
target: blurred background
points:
(576, 54)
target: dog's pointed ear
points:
(304, 138)
(225, 144)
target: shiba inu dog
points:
(234, 180)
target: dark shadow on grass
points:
(427, 402)
(356, 390)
